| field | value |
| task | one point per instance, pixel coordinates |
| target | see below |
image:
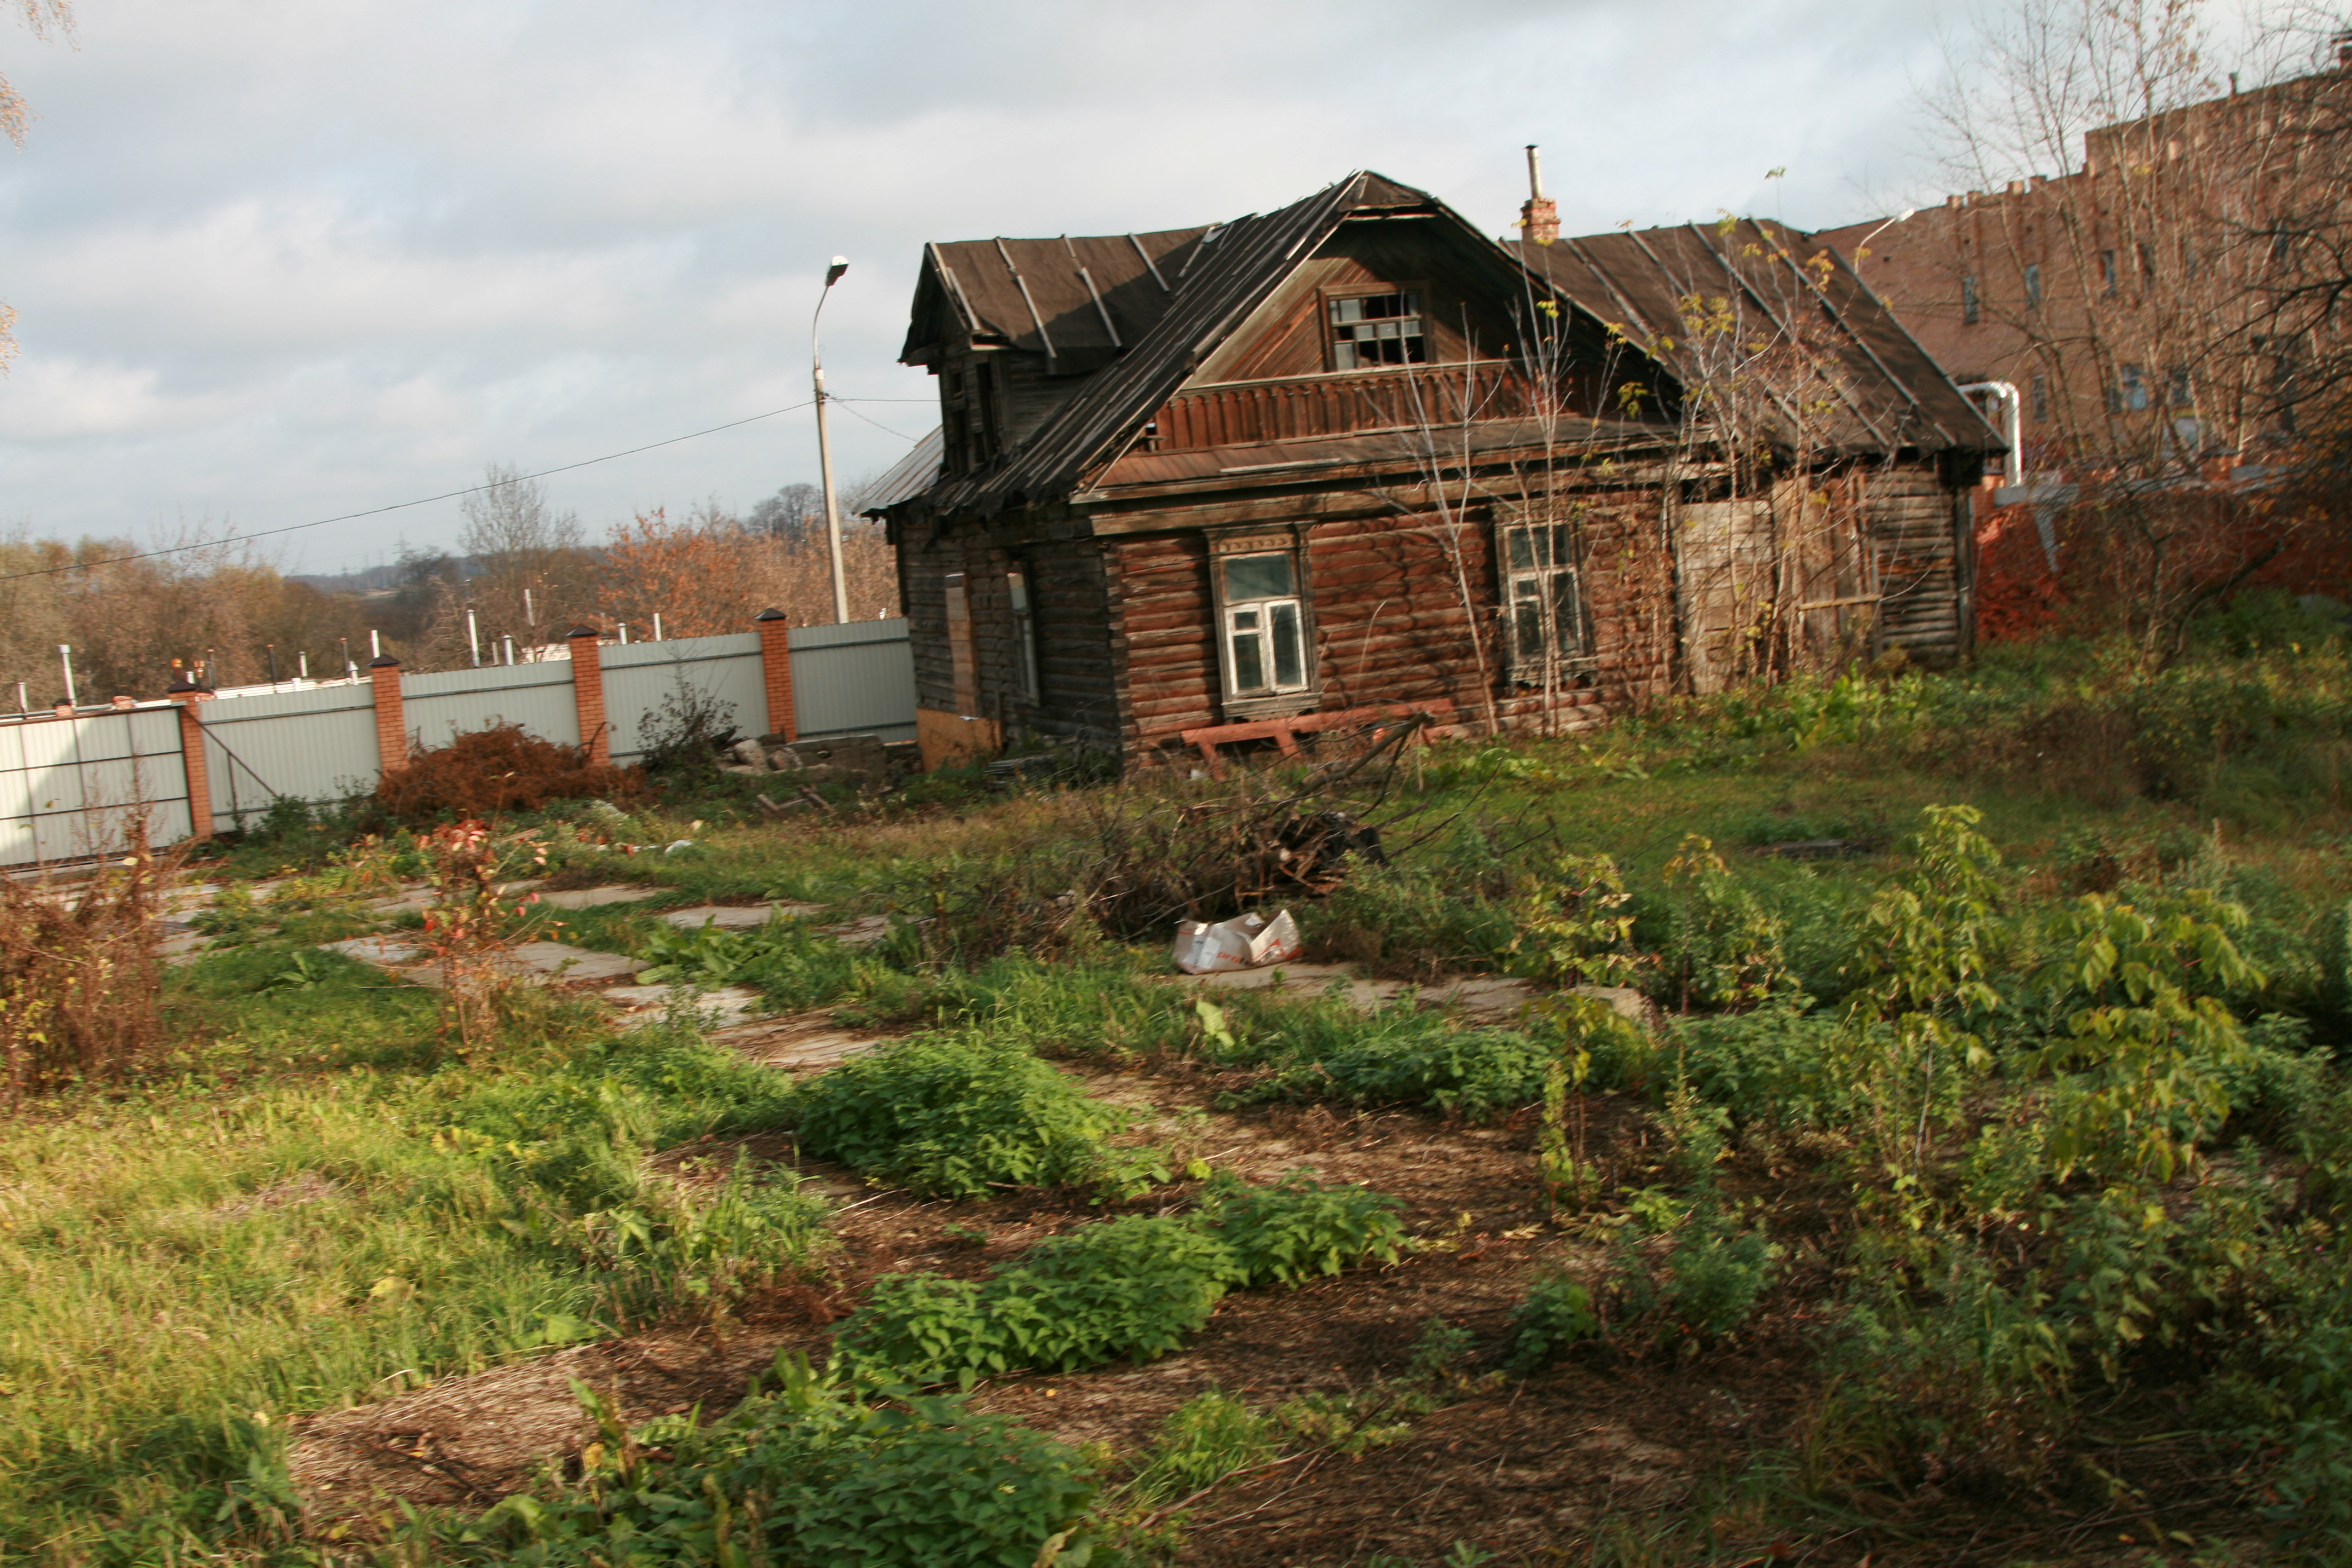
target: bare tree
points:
(533, 580)
(2132, 252)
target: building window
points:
(2177, 390)
(1025, 634)
(1544, 593)
(1266, 636)
(2146, 260)
(1377, 329)
(967, 414)
(2033, 286)
(2041, 400)
(1969, 309)
(2130, 391)
(2107, 273)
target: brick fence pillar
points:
(391, 721)
(776, 672)
(186, 694)
(588, 694)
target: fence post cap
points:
(582, 632)
(384, 661)
(769, 614)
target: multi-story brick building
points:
(2143, 304)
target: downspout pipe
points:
(2012, 424)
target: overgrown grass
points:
(319, 1210)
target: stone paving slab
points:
(593, 897)
(805, 1042)
(862, 932)
(419, 898)
(1312, 979)
(566, 964)
(726, 1005)
(738, 917)
(384, 951)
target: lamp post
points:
(824, 444)
(1864, 249)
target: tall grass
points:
(182, 1269)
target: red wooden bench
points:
(1285, 732)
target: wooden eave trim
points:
(1398, 371)
(1348, 480)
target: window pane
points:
(1249, 663)
(1569, 626)
(1289, 657)
(1258, 577)
(1523, 550)
(1343, 356)
(1527, 617)
(1347, 310)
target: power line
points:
(398, 506)
(911, 440)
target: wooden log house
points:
(1354, 454)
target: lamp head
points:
(832, 273)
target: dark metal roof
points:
(1884, 391)
(910, 476)
(1091, 295)
(1221, 275)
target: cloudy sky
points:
(280, 259)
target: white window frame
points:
(1025, 634)
(1261, 621)
(1542, 573)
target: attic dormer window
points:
(1370, 330)
(967, 414)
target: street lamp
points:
(824, 444)
(1864, 249)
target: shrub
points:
(792, 964)
(1714, 1276)
(79, 980)
(1555, 1315)
(498, 769)
(955, 1116)
(812, 1473)
(1133, 1287)
(1289, 1233)
(1767, 1067)
(1398, 1056)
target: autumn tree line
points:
(136, 616)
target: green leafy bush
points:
(955, 1115)
(1400, 1057)
(1555, 1315)
(812, 1474)
(1294, 1231)
(1133, 1287)
(792, 964)
(1714, 1275)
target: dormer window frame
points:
(970, 422)
(1341, 354)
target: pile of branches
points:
(492, 772)
(1149, 856)
(80, 976)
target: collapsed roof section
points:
(1855, 381)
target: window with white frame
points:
(1025, 634)
(1543, 594)
(1266, 625)
(1370, 330)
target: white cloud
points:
(284, 258)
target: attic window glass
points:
(1377, 329)
(1265, 641)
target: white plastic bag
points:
(1249, 943)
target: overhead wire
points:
(428, 500)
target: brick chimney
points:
(1539, 219)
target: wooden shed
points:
(1354, 454)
